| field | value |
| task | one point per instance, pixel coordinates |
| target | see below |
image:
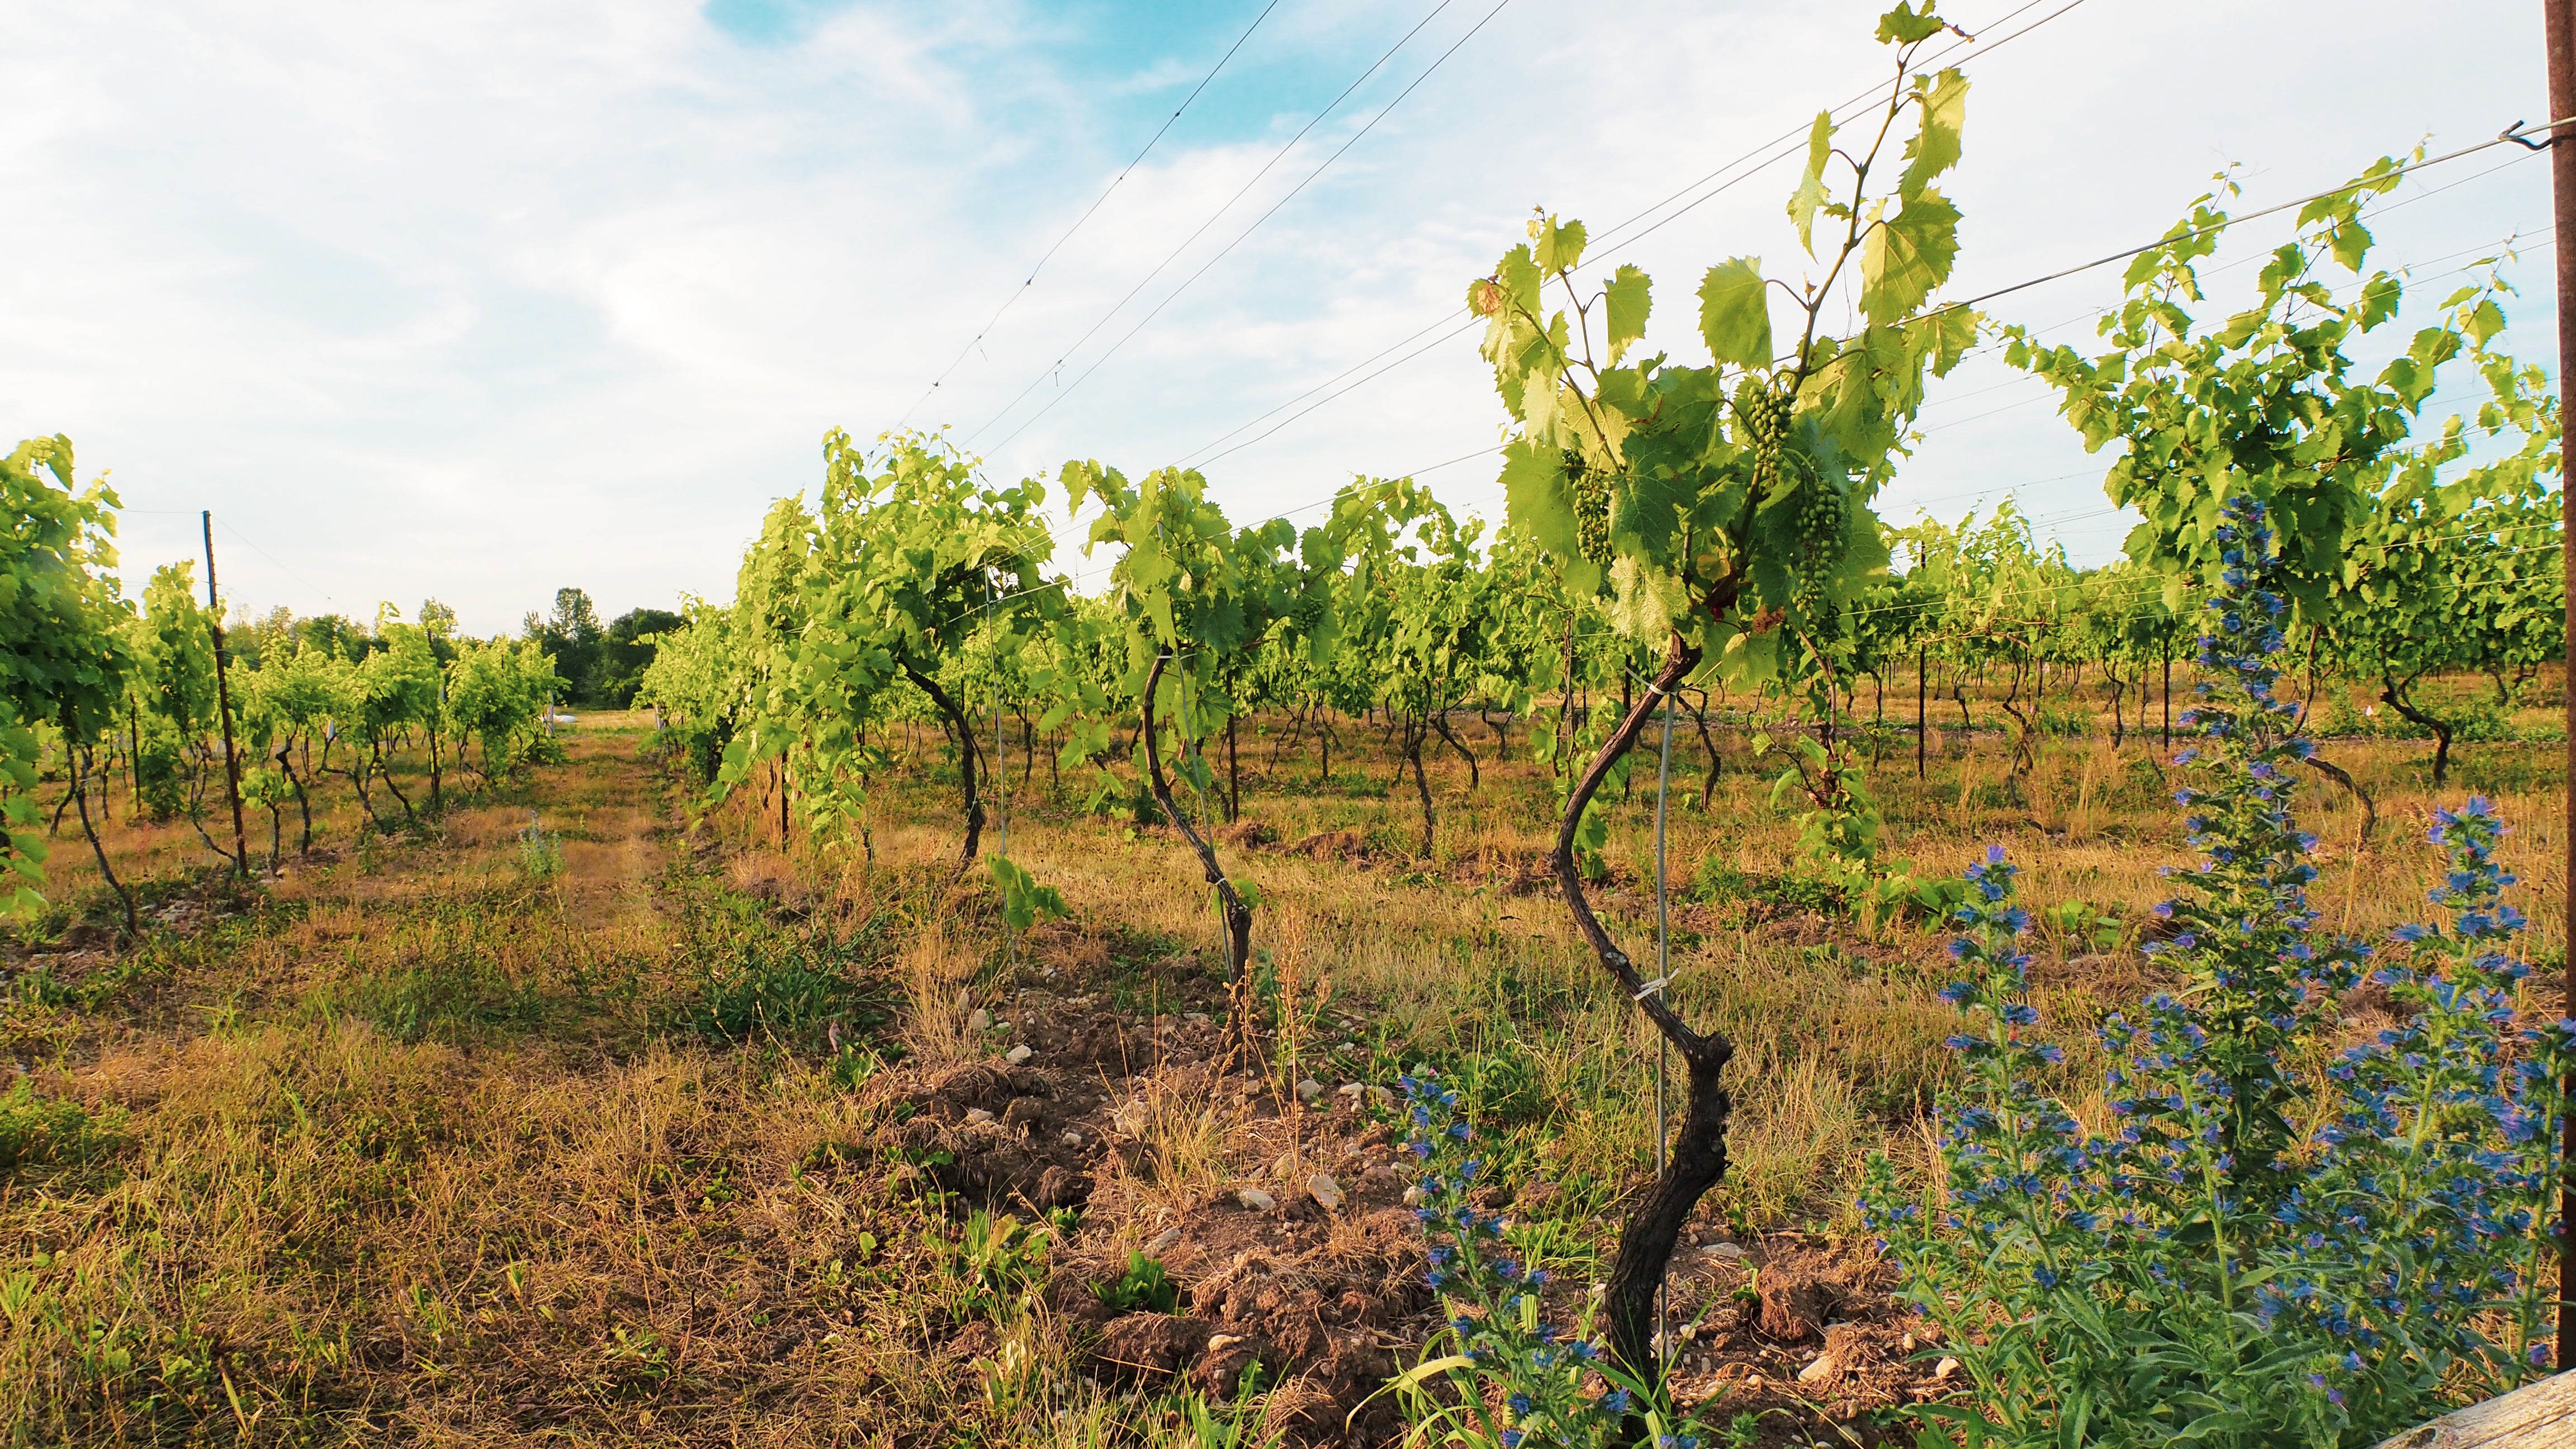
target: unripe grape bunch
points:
(1591, 507)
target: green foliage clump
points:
(1144, 1286)
(35, 1132)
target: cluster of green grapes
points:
(1820, 534)
(1766, 422)
(1819, 504)
(1591, 507)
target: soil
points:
(1325, 1293)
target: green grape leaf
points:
(1811, 186)
(1735, 313)
(1903, 26)
(1538, 499)
(1644, 601)
(1630, 298)
(1558, 248)
(1024, 901)
(2483, 322)
(1935, 149)
(1908, 255)
(1521, 279)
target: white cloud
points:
(476, 300)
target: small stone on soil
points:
(1326, 1191)
(981, 1020)
(1945, 1368)
(977, 1116)
(1728, 1251)
(1163, 1241)
(1018, 1054)
(1822, 1368)
(1310, 1090)
(1256, 1200)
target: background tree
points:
(2461, 574)
(625, 652)
(2269, 405)
(570, 634)
(911, 555)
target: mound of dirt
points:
(1521, 873)
(1246, 834)
(1312, 1268)
(1333, 845)
(1280, 1221)
(989, 1134)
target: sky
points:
(477, 301)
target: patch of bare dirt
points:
(1308, 1264)
(1247, 834)
(1795, 1323)
(1332, 845)
(1296, 1251)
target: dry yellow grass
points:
(417, 1151)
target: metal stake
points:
(1663, 974)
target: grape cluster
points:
(1818, 502)
(1766, 422)
(1591, 507)
(1820, 524)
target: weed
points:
(998, 1262)
(1143, 1286)
(540, 852)
(638, 1362)
(2073, 927)
(35, 1132)
(754, 981)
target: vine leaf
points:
(1734, 315)
(1810, 195)
(1935, 148)
(1645, 601)
(1537, 497)
(1908, 255)
(1902, 26)
(1631, 297)
(1556, 247)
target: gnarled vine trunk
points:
(1698, 1152)
(385, 773)
(1238, 915)
(1475, 776)
(967, 750)
(1414, 733)
(2393, 694)
(80, 794)
(2343, 777)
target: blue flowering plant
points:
(1502, 1373)
(2445, 1142)
(2237, 1246)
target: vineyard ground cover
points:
(679, 1140)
